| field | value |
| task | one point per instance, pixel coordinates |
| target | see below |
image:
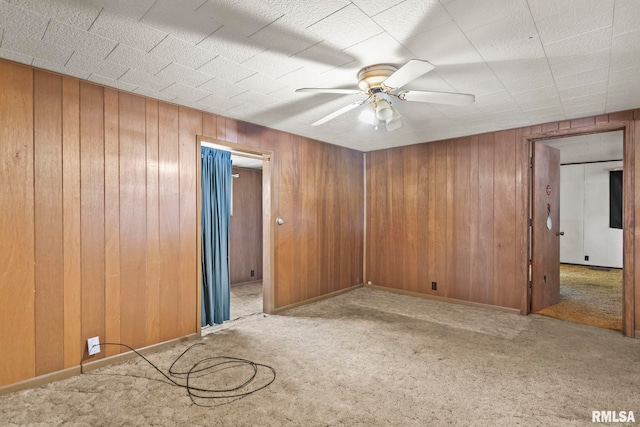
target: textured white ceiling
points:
(527, 62)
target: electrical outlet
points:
(434, 286)
(586, 257)
(253, 273)
(93, 344)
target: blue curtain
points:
(216, 206)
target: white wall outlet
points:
(93, 344)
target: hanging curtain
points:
(216, 202)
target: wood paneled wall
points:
(245, 235)
(455, 212)
(98, 218)
(450, 212)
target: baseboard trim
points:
(40, 380)
(315, 299)
(444, 299)
(100, 363)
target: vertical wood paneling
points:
(190, 125)
(459, 198)
(476, 290)
(71, 221)
(521, 218)
(49, 261)
(431, 241)
(209, 125)
(408, 248)
(17, 281)
(153, 227)
(484, 270)
(441, 212)
(112, 220)
(504, 268)
(245, 241)
(308, 178)
(461, 229)
(450, 260)
(92, 212)
(231, 130)
(133, 220)
(221, 128)
(631, 237)
(169, 221)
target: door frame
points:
(268, 243)
(628, 222)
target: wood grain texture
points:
(17, 277)
(631, 237)
(486, 226)
(505, 293)
(128, 209)
(92, 213)
(545, 240)
(327, 212)
(133, 220)
(112, 220)
(458, 245)
(169, 221)
(71, 221)
(522, 215)
(49, 261)
(245, 236)
(153, 225)
(190, 125)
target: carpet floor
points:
(590, 296)
(365, 358)
(245, 300)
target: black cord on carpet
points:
(208, 366)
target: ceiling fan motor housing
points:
(372, 77)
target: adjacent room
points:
(318, 213)
(591, 222)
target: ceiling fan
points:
(383, 82)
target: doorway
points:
(255, 159)
(245, 238)
(590, 242)
(591, 251)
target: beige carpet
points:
(368, 358)
(245, 300)
(589, 295)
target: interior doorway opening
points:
(250, 204)
(245, 238)
(591, 236)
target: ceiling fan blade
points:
(407, 73)
(337, 113)
(330, 90)
(437, 97)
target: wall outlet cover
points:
(93, 344)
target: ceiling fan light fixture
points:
(368, 115)
(395, 116)
(394, 125)
(383, 110)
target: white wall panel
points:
(584, 216)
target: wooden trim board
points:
(445, 299)
(92, 366)
(316, 299)
(62, 374)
